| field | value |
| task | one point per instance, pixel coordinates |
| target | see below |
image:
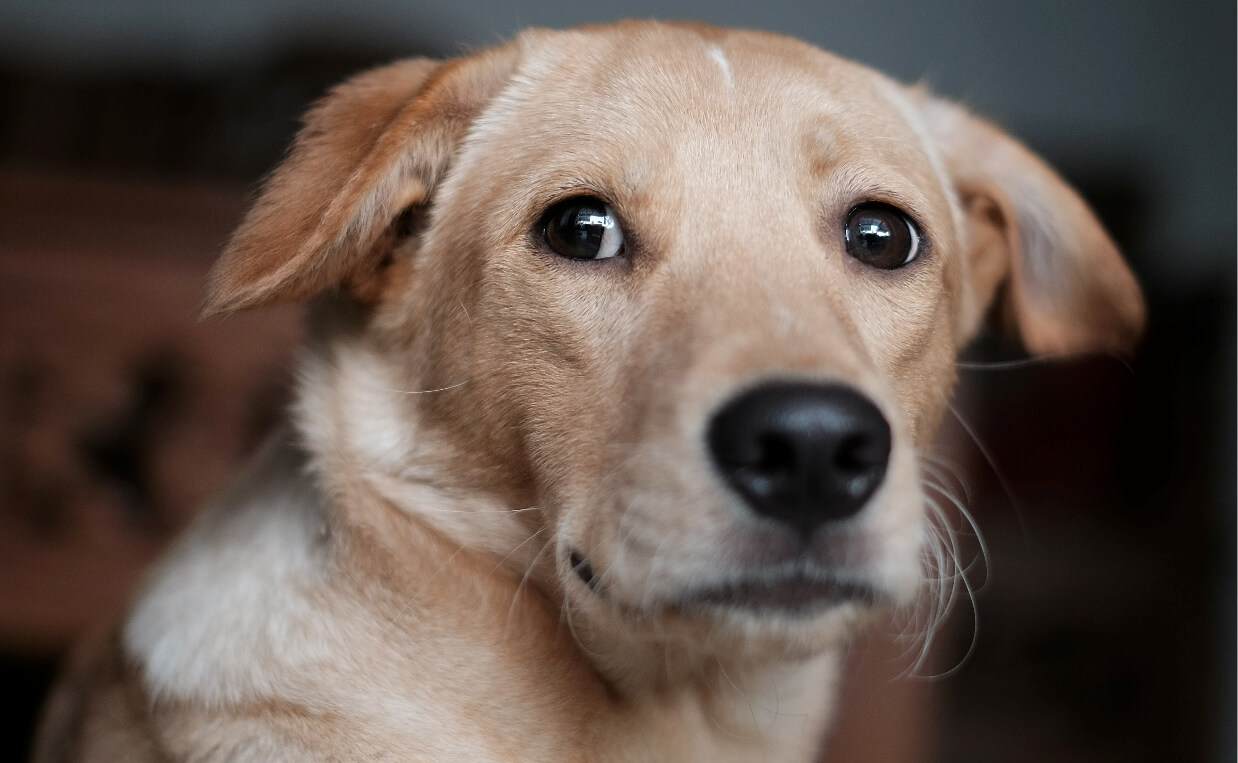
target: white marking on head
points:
(720, 59)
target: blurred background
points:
(132, 133)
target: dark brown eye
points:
(582, 228)
(881, 236)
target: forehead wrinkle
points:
(894, 95)
(837, 160)
(885, 154)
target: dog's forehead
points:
(658, 79)
(688, 65)
(641, 99)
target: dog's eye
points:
(882, 236)
(582, 228)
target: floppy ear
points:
(1032, 239)
(372, 148)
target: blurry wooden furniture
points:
(119, 411)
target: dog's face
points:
(641, 252)
(695, 295)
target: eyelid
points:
(574, 190)
(904, 204)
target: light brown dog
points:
(625, 344)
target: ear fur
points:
(372, 148)
(1066, 288)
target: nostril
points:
(777, 455)
(769, 463)
(859, 453)
(801, 453)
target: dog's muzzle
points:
(803, 456)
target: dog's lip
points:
(793, 590)
(789, 590)
(584, 571)
(797, 592)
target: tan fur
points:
(391, 577)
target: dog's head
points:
(695, 295)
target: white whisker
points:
(947, 575)
(988, 457)
(484, 510)
(524, 579)
(1001, 365)
(426, 391)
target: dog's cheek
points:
(914, 347)
(559, 334)
(924, 392)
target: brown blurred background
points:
(132, 132)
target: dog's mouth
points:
(798, 591)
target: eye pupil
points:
(881, 236)
(874, 235)
(582, 228)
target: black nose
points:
(803, 454)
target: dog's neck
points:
(381, 493)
